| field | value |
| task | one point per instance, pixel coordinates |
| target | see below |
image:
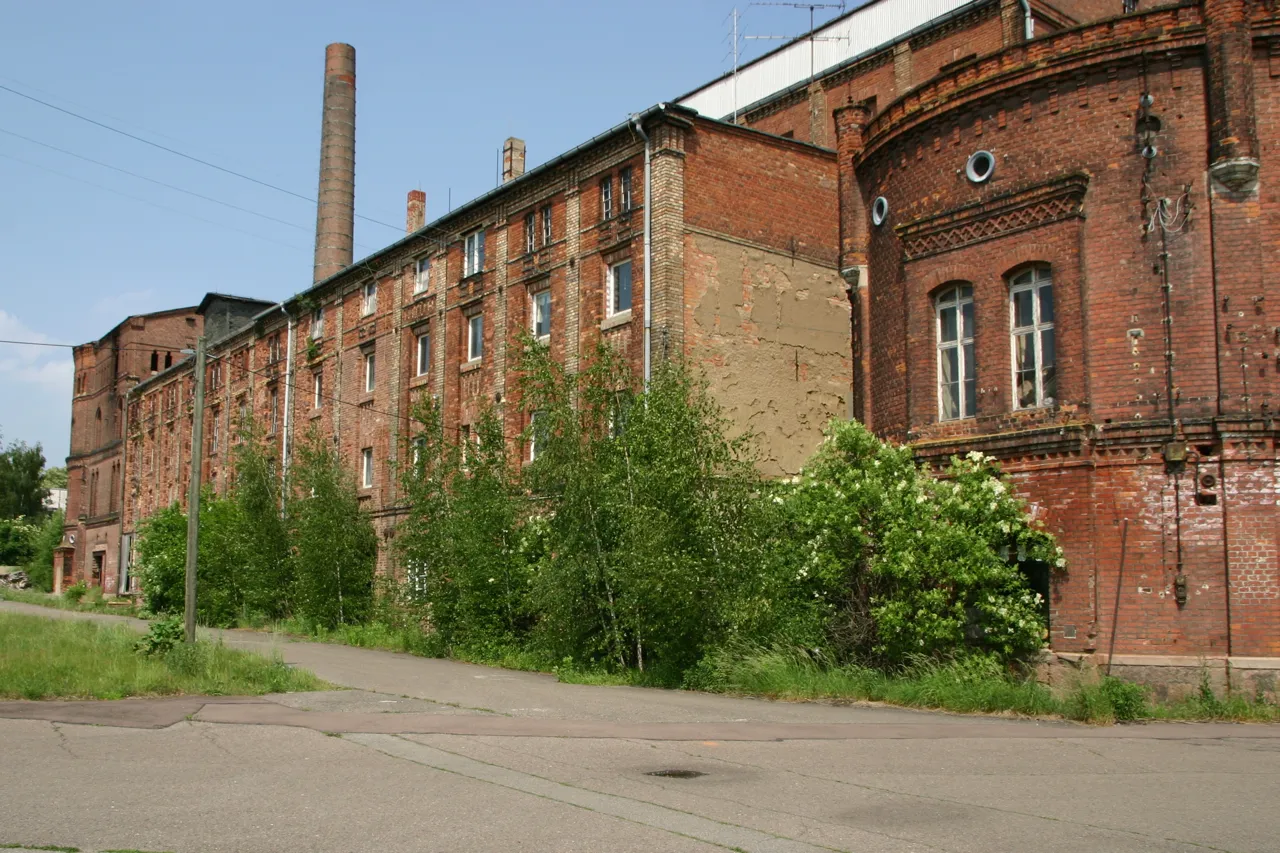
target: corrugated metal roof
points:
(871, 26)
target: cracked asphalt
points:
(427, 755)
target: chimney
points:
(415, 211)
(335, 203)
(512, 159)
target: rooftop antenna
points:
(812, 7)
(734, 49)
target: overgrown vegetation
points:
(43, 658)
(615, 534)
(29, 532)
(306, 551)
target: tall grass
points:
(91, 602)
(974, 685)
(63, 659)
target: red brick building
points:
(1060, 249)
(742, 272)
(106, 371)
(1032, 230)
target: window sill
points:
(469, 366)
(545, 340)
(622, 318)
(315, 413)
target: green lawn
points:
(44, 658)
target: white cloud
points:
(35, 389)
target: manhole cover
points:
(677, 774)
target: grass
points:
(57, 659)
(966, 687)
(92, 602)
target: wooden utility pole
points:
(193, 499)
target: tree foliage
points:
(335, 547)
(910, 565)
(22, 492)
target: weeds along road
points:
(440, 756)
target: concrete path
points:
(427, 755)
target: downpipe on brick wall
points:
(648, 248)
(288, 404)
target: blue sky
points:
(439, 86)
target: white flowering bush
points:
(907, 565)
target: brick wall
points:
(1098, 460)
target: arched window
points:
(1035, 378)
(957, 373)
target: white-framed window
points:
(213, 430)
(366, 468)
(957, 374)
(317, 323)
(537, 435)
(424, 354)
(422, 275)
(273, 398)
(606, 198)
(530, 232)
(370, 372)
(474, 250)
(548, 234)
(627, 199)
(618, 289)
(1035, 378)
(317, 389)
(475, 337)
(419, 447)
(542, 314)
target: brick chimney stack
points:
(512, 159)
(335, 208)
(415, 211)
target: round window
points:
(980, 167)
(879, 210)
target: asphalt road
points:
(427, 755)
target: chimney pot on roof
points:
(512, 159)
(415, 211)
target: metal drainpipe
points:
(648, 250)
(1029, 29)
(288, 401)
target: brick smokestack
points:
(335, 208)
(512, 159)
(415, 211)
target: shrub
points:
(162, 636)
(75, 592)
(907, 565)
(462, 541)
(45, 539)
(651, 523)
(335, 548)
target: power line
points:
(183, 155)
(153, 180)
(163, 184)
(147, 202)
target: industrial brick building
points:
(1031, 230)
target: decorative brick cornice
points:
(1064, 54)
(1008, 213)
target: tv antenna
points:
(812, 7)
